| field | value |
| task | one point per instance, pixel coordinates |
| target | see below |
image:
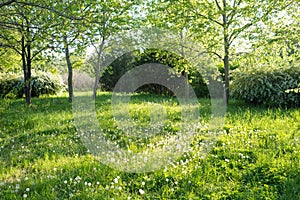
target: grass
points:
(255, 156)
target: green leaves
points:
(267, 86)
(12, 85)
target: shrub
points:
(267, 86)
(8, 84)
(42, 83)
(128, 61)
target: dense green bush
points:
(9, 84)
(42, 83)
(271, 87)
(128, 61)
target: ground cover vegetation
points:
(53, 54)
(255, 156)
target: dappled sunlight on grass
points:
(254, 155)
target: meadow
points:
(254, 156)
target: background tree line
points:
(242, 36)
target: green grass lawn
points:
(256, 154)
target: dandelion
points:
(78, 178)
(116, 180)
(27, 189)
(25, 195)
(65, 182)
(143, 183)
(141, 191)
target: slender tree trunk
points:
(226, 68)
(28, 91)
(187, 92)
(226, 50)
(97, 68)
(186, 85)
(26, 60)
(24, 64)
(70, 70)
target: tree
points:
(33, 30)
(219, 24)
(109, 18)
(274, 44)
(69, 35)
(24, 29)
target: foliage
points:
(130, 60)
(9, 61)
(256, 156)
(267, 86)
(43, 83)
(219, 25)
(8, 84)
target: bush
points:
(8, 84)
(42, 83)
(269, 87)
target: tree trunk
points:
(226, 51)
(28, 78)
(187, 92)
(226, 68)
(70, 70)
(26, 62)
(97, 68)
(186, 85)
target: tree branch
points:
(218, 5)
(206, 17)
(236, 32)
(11, 47)
(71, 17)
(233, 12)
(39, 51)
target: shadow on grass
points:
(23, 149)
